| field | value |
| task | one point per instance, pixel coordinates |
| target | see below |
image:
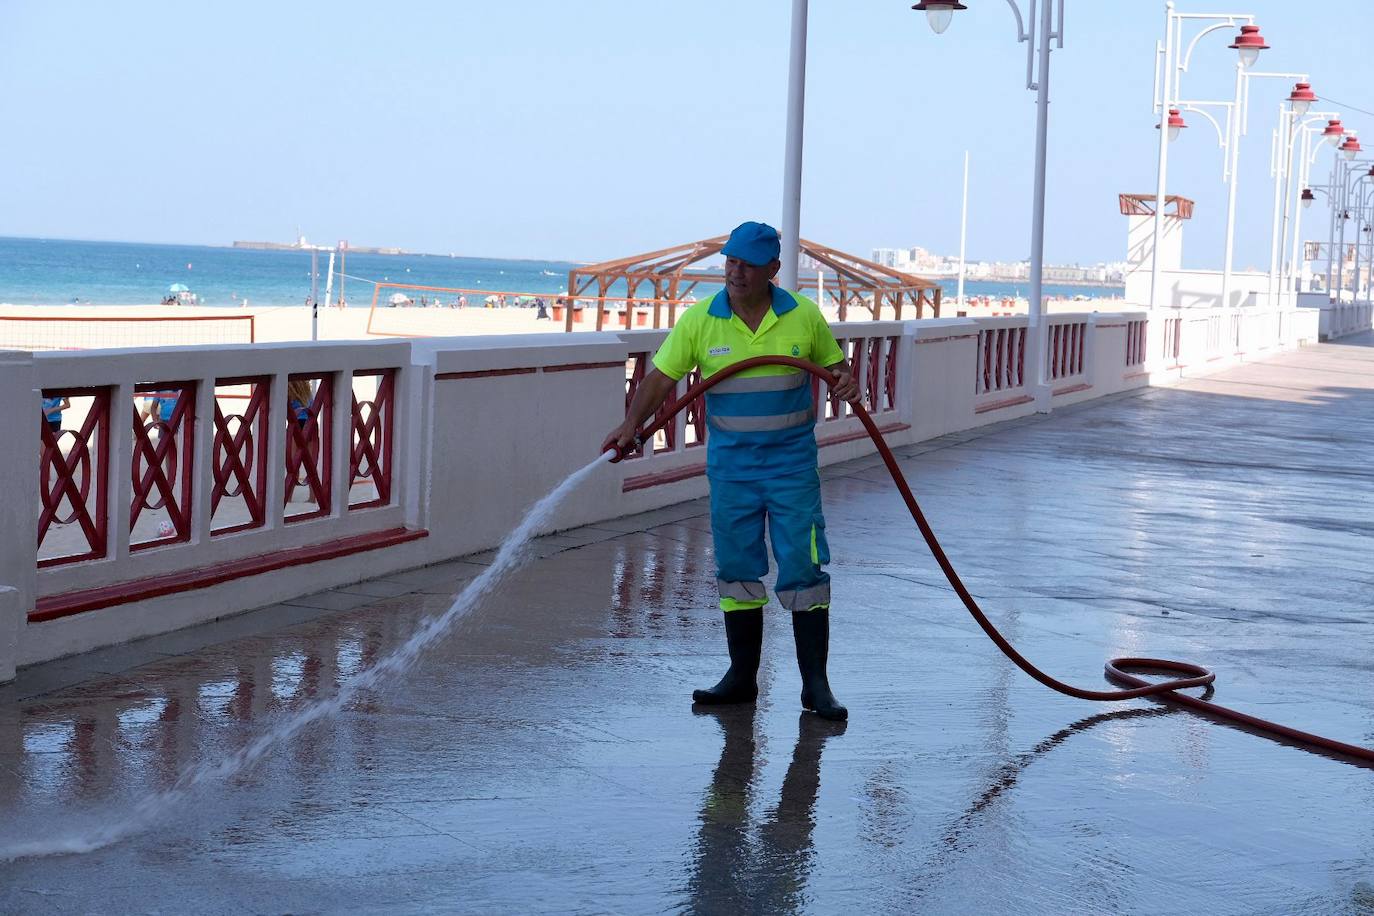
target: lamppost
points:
(1310, 125)
(792, 154)
(1041, 28)
(1362, 232)
(1298, 103)
(1172, 61)
(1345, 175)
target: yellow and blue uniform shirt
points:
(762, 420)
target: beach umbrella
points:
(178, 288)
(399, 298)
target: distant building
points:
(919, 261)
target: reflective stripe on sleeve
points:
(761, 424)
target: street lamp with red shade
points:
(1249, 43)
(1351, 146)
(1301, 98)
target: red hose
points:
(1196, 675)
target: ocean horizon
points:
(37, 271)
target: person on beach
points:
(158, 410)
(760, 458)
(52, 412)
(298, 398)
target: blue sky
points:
(593, 129)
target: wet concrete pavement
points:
(545, 756)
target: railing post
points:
(203, 454)
(278, 415)
(904, 390)
(19, 452)
(414, 422)
(119, 472)
(341, 474)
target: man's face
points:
(748, 282)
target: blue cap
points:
(753, 243)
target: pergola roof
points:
(670, 274)
(1144, 205)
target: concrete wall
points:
(1198, 288)
(485, 426)
(1338, 318)
(1182, 288)
(19, 509)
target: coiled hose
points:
(1195, 675)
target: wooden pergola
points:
(667, 278)
(1144, 205)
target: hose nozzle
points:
(620, 454)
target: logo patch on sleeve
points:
(796, 350)
(718, 351)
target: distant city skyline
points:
(548, 130)
(920, 261)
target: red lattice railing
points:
(1135, 342)
(239, 456)
(1068, 342)
(1001, 359)
(309, 446)
(637, 366)
(163, 455)
(72, 476)
(695, 415)
(1171, 340)
(373, 435)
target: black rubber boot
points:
(744, 635)
(811, 629)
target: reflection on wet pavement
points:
(545, 757)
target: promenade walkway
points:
(545, 757)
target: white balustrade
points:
(440, 443)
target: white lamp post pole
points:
(1350, 177)
(1300, 198)
(1233, 154)
(1173, 59)
(1041, 29)
(792, 157)
(963, 235)
(1335, 202)
(1036, 324)
(1361, 229)
(1166, 72)
(1281, 163)
(1367, 231)
(1242, 127)
(1345, 179)
(314, 293)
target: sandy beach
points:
(96, 326)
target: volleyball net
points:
(100, 332)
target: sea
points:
(67, 272)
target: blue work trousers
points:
(791, 504)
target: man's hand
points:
(621, 439)
(844, 386)
(651, 393)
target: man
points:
(760, 458)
